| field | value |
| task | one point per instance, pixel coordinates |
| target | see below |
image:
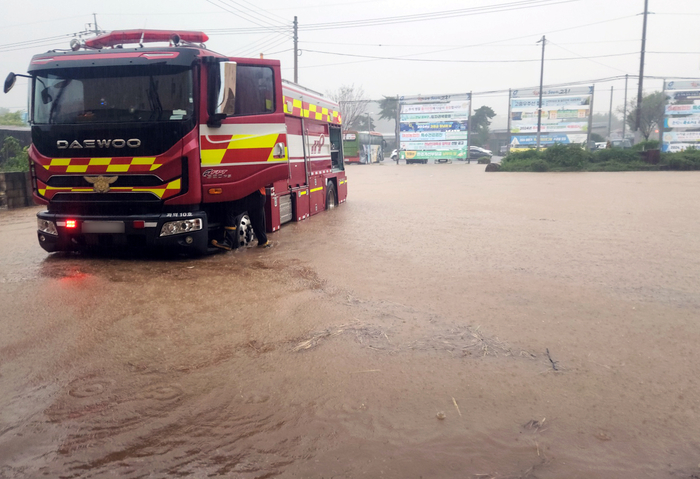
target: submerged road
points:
(444, 322)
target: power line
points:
(270, 43)
(498, 8)
(465, 61)
(257, 8)
(39, 42)
(253, 17)
(589, 59)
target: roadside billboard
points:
(566, 116)
(434, 127)
(681, 126)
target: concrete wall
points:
(23, 134)
(15, 190)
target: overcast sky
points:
(410, 47)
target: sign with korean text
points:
(434, 126)
(681, 115)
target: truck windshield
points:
(113, 95)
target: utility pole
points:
(510, 135)
(641, 66)
(296, 51)
(96, 31)
(398, 125)
(539, 109)
(609, 114)
(624, 110)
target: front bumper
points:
(77, 232)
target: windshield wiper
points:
(62, 87)
(153, 98)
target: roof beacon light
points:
(75, 44)
(120, 37)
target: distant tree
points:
(362, 122)
(388, 109)
(597, 137)
(12, 156)
(12, 118)
(353, 103)
(480, 122)
(10, 148)
(652, 113)
(602, 119)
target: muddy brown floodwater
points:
(444, 323)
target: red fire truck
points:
(146, 146)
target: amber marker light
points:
(215, 191)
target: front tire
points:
(244, 232)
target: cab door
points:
(243, 143)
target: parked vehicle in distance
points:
(476, 152)
(363, 147)
(599, 145)
(621, 143)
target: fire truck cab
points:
(146, 146)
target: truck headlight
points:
(181, 226)
(46, 226)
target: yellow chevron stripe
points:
(143, 160)
(117, 168)
(244, 142)
(99, 161)
(212, 157)
(60, 162)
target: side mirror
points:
(214, 120)
(10, 81)
(46, 97)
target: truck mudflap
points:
(177, 232)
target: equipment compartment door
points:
(297, 165)
(316, 194)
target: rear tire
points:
(331, 197)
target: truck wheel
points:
(244, 231)
(331, 197)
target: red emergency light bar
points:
(120, 37)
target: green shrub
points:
(569, 157)
(539, 165)
(517, 165)
(617, 155)
(530, 154)
(647, 145)
(20, 162)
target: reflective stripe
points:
(97, 165)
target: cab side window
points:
(245, 90)
(254, 90)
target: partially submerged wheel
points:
(244, 232)
(331, 197)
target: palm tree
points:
(388, 110)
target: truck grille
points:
(74, 181)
